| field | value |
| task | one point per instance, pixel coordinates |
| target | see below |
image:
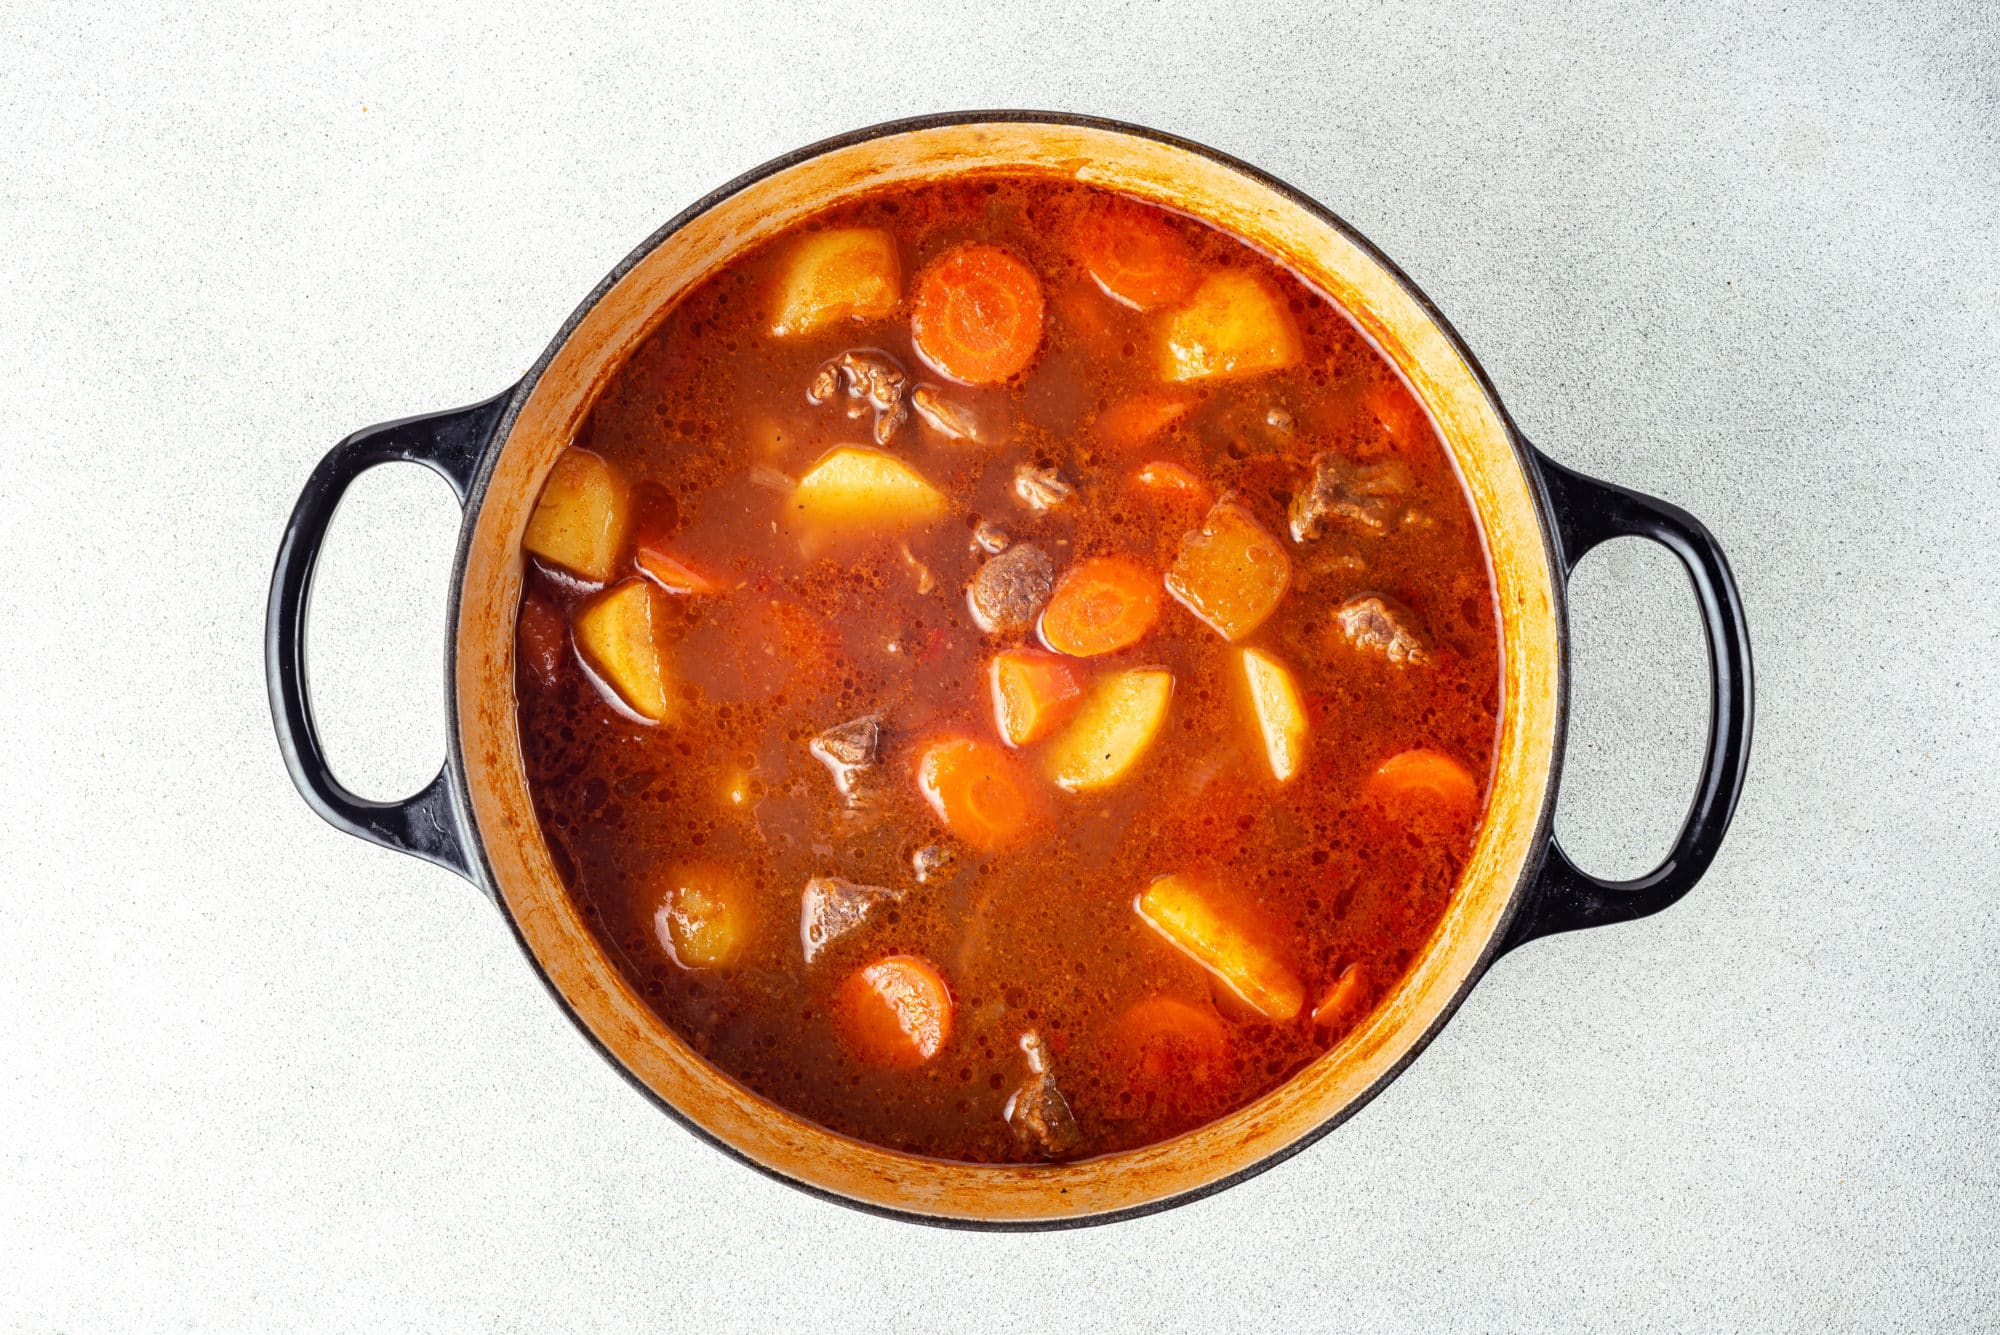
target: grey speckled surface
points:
(254, 1074)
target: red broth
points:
(1169, 867)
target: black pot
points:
(1539, 519)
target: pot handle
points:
(450, 444)
(1588, 512)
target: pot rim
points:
(1524, 457)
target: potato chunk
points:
(1111, 732)
(1233, 325)
(619, 634)
(1230, 572)
(840, 274)
(1281, 714)
(858, 488)
(703, 920)
(1195, 916)
(581, 519)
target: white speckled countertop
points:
(257, 1075)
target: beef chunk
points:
(989, 537)
(849, 752)
(871, 379)
(1009, 590)
(1037, 1111)
(1041, 489)
(932, 861)
(1374, 625)
(831, 908)
(1367, 498)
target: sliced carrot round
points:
(1100, 606)
(1163, 477)
(1423, 779)
(1135, 255)
(895, 1012)
(1170, 1049)
(977, 315)
(980, 793)
(1342, 1004)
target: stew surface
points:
(1009, 672)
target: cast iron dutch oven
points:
(1539, 518)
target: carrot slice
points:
(895, 1012)
(1423, 780)
(1170, 1048)
(1171, 480)
(977, 316)
(1341, 1006)
(1100, 606)
(673, 574)
(1032, 693)
(1133, 422)
(1135, 255)
(978, 791)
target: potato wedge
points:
(619, 634)
(1280, 713)
(582, 517)
(1233, 325)
(842, 273)
(703, 920)
(853, 487)
(1112, 730)
(1195, 915)
(1231, 572)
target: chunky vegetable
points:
(1100, 606)
(1196, 916)
(842, 273)
(704, 917)
(1280, 713)
(1423, 780)
(1135, 256)
(1032, 693)
(980, 793)
(1345, 997)
(1235, 325)
(1170, 480)
(1171, 1049)
(1132, 422)
(895, 1012)
(856, 487)
(619, 634)
(673, 574)
(582, 517)
(1231, 572)
(977, 315)
(1112, 732)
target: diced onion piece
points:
(1111, 732)
(842, 273)
(1195, 916)
(582, 517)
(619, 634)
(1234, 325)
(1280, 713)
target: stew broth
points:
(1008, 672)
